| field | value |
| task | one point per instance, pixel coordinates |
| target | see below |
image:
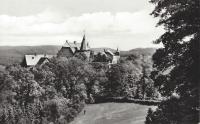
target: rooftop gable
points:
(72, 44)
(109, 52)
(32, 60)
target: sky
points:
(125, 24)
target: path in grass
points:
(113, 113)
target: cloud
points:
(49, 25)
(72, 7)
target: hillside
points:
(139, 51)
(101, 49)
(14, 54)
(113, 113)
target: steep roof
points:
(72, 45)
(108, 52)
(32, 60)
(42, 60)
(84, 44)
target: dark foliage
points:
(176, 65)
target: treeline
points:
(58, 91)
(130, 78)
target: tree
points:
(122, 78)
(53, 93)
(69, 76)
(144, 82)
(82, 56)
(177, 63)
(21, 97)
(115, 81)
(131, 75)
(100, 57)
(98, 80)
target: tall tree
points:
(177, 63)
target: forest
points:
(57, 91)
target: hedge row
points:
(126, 100)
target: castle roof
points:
(72, 44)
(108, 52)
(84, 44)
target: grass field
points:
(113, 113)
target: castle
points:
(71, 49)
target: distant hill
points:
(101, 49)
(139, 51)
(14, 54)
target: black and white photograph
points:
(99, 61)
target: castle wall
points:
(115, 59)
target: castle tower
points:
(84, 48)
(84, 44)
(117, 53)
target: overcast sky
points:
(108, 23)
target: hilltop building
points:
(70, 49)
(107, 56)
(113, 57)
